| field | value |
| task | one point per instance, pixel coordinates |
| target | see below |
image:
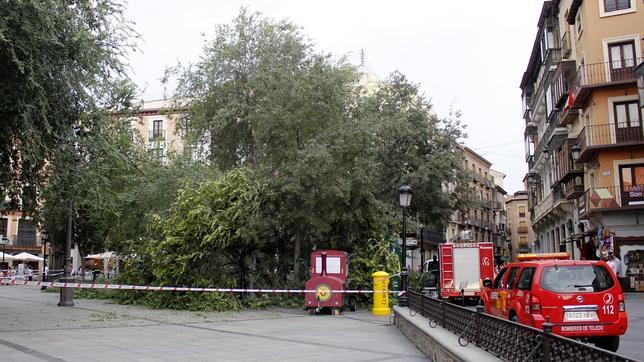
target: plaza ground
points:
(34, 328)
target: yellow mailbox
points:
(380, 293)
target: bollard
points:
(380, 293)
(547, 331)
(477, 335)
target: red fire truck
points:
(463, 268)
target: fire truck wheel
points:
(514, 318)
(352, 304)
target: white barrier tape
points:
(180, 289)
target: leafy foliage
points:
(60, 64)
(300, 158)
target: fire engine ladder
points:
(447, 269)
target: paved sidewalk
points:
(33, 328)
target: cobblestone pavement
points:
(34, 328)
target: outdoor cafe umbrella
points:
(27, 257)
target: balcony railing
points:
(523, 248)
(602, 74)
(156, 135)
(604, 135)
(613, 197)
(565, 45)
(24, 240)
(542, 208)
(574, 188)
(566, 167)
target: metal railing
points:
(609, 134)
(565, 45)
(600, 74)
(507, 340)
(614, 197)
(156, 135)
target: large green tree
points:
(60, 63)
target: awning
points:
(105, 255)
(27, 257)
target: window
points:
(616, 5)
(622, 60)
(523, 240)
(576, 278)
(4, 228)
(578, 24)
(525, 280)
(523, 226)
(632, 184)
(26, 233)
(157, 129)
(627, 121)
(521, 211)
(499, 279)
(512, 277)
(157, 153)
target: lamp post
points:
(405, 200)
(67, 294)
(45, 238)
(4, 242)
(575, 151)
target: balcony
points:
(573, 188)
(562, 82)
(522, 229)
(612, 198)
(26, 239)
(566, 167)
(523, 248)
(542, 208)
(595, 137)
(156, 135)
(606, 74)
(555, 132)
(566, 49)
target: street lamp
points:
(4, 242)
(45, 237)
(576, 151)
(532, 177)
(67, 294)
(405, 200)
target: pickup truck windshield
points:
(575, 279)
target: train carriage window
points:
(332, 265)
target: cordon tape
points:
(177, 289)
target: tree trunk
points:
(296, 255)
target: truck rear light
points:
(621, 306)
(535, 305)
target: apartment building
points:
(520, 230)
(486, 218)
(583, 134)
(18, 234)
(157, 127)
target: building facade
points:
(519, 227)
(485, 219)
(584, 140)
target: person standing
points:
(615, 264)
(30, 273)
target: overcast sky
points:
(468, 55)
